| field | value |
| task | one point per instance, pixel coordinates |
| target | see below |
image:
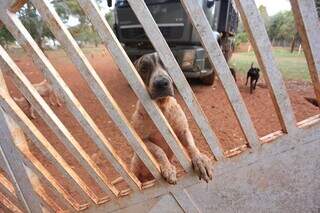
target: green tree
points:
(264, 15)
(83, 32)
(5, 37)
(110, 17)
(32, 21)
(282, 26)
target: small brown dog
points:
(45, 90)
(160, 88)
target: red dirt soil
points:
(211, 98)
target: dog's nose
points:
(161, 83)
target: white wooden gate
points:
(26, 194)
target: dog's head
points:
(155, 76)
(254, 69)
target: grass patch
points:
(292, 65)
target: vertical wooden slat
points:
(109, 39)
(15, 167)
(38, 170)
(7, 205)
(254, 25)
(10, 196)
(94, 82)
(21, 144)
(47, 150)
(26, 88)
(161, 46)
(25, 40)
(75, 107)
(199, 20)
(308, 26)
(12, 161)
(91, 76)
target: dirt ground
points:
(211, 98)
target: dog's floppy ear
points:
(144, 66)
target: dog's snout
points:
(161, 83)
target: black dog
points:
(233, 72)
(253, 74)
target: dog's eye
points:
(145, 67)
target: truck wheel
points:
(209, 79)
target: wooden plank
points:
(308, 25)
(259, 39)
(18, 116)
(77, 110)
(26, 41)
(133, 78)
(209, 42)
(40, 171)
(7, 205)
(95, 83)
(222, 168)
(15, 168)
(16, 5)
(20, 142)
(161, 46)
(26, 88)
(48, 203)
(47, 150)
(184, 199)
(9, 195)
(90, 9)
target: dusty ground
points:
(212, 99)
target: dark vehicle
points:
(178, 32)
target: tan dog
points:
(160, 87)
(45, 90)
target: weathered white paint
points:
(308, 25)
(259, 39)
(293, 155)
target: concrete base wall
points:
(287, 180)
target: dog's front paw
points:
(202, 164)
(169, 173)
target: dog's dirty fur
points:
(45, 90)
(161, 89)
(254, 75)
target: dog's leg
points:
(31, 110)
(57, 99)
(251, 85)
(255, 84)
(51, 99)
(168, 171)
(201, 163)
(247, 79)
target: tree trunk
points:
(293, 43)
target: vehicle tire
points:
(209, 79)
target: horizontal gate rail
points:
(262, 47)
(308, 27)
(202, 25)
